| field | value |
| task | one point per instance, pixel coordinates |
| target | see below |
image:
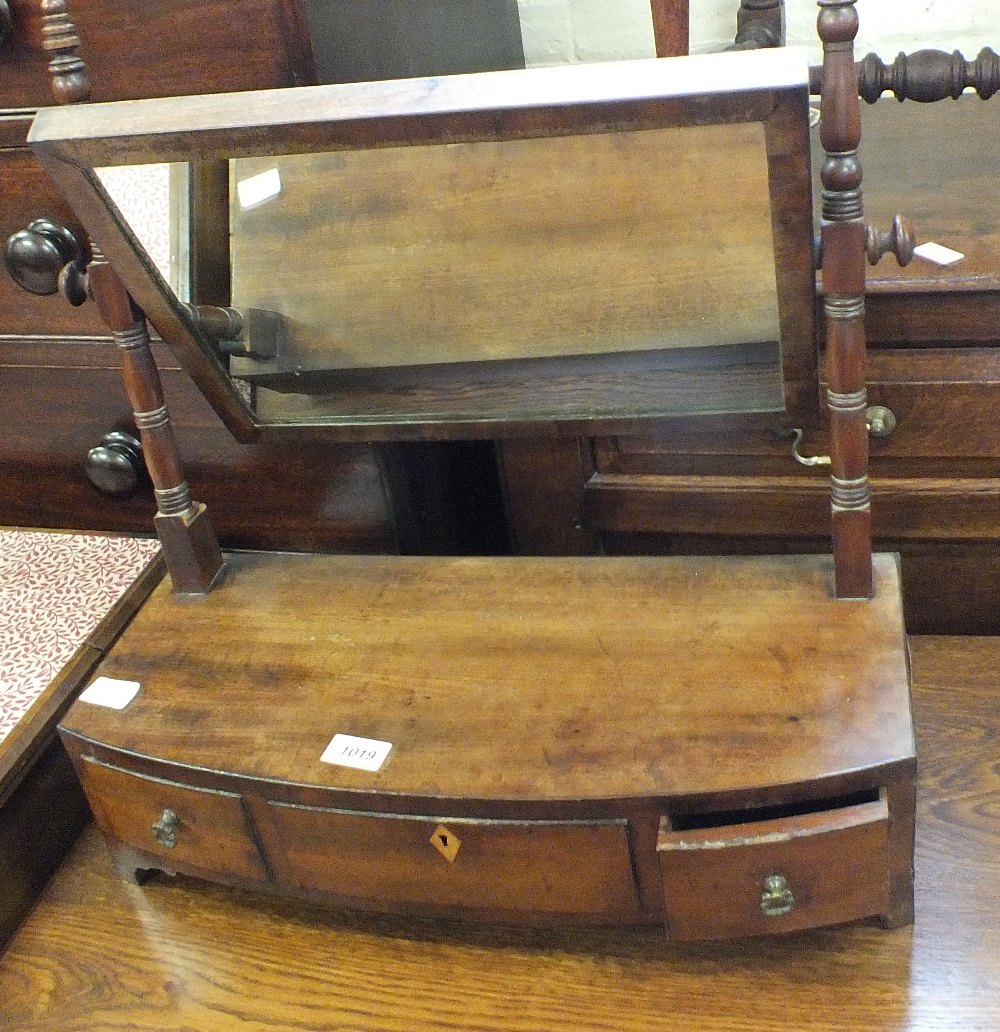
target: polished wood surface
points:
(725, 865)
(528, 680)
(520, 701)
(561, 867)
(181, 954)
(514, 250)
(179, 46)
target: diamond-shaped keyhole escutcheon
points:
(446, 842)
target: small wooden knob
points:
(35, 256)
(115, 465)
(900, 241)
(6, 23)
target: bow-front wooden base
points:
(716, 745)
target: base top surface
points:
(528, 679)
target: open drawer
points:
(775, 875)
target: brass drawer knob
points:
(777, 898)
(165, 829)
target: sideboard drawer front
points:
(191, 828)
(29, 194)
(132, 49)
(504, 867)
(776, 875)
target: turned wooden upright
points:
(189, 543)
(843, 243)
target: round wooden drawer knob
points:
(115, 466)
(37, 255)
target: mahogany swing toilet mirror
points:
(722, 746)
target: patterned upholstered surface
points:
(54, 590)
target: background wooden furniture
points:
(181, 953)
(60, 360)
(64, 599)
(703, 485)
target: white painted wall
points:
(562, 31)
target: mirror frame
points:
(767, 86)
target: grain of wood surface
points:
(183, 956)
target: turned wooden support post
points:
(670, 26)
(70, 82)
(759, 24)
(189, 542)
(843, 234)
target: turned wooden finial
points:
(900, 241)
(929, 75)
(70, 82)
(759, 24)
(844, 236)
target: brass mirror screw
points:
(776, 898)
(900, 241)
(805, 460)
(165, 829)
(879, 420)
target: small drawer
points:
(506, 867)
(189, 828)
(775, 875)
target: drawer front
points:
(28, 194)
(500, 867)
(134, 49)
(776, 875)
(191, 828)
(59, 397)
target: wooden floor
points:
(97, 954)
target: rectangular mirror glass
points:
(472, 255)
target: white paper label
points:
(938, 253)
(362, 753)
(106, 691)
(255, 190)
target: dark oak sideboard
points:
(704, 485)
(60, 385)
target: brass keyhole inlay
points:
(446, 842)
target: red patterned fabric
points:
(54, 590)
